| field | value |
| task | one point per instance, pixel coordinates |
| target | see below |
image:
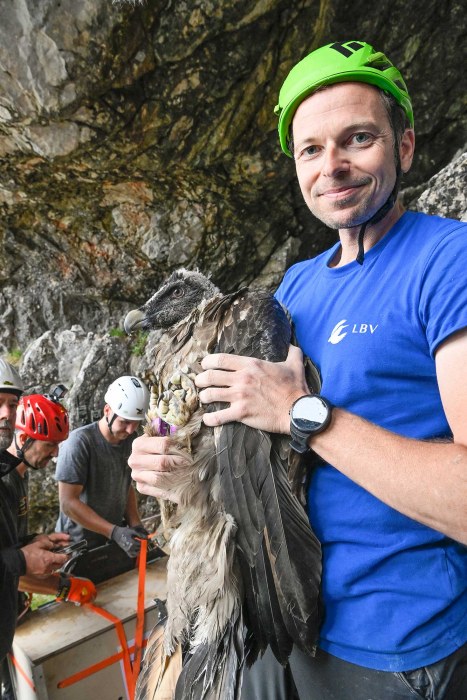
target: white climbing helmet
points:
(128, 397)
(10, 381)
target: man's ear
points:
(406, 149)
(21, 438)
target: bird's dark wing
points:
(281, 555)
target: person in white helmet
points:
(11, 388)
(97, 500)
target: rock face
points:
(136, 137)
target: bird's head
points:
(174, 300)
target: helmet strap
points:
(381, 213)
(110, 422)
(21, 450)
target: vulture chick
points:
(245, 567)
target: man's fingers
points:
(59, 538)
(151, 445)
(156, 484)
(225, 361)
(155, 462)
(295, 355)
(213, 377)
(59, 560)
(226, 415)
(215, 393)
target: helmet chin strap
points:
(380, 214)
(110, 422)
(20, 452)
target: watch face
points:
(309, 412)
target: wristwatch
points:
(309, 415)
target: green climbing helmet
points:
(337, 63)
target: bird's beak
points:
(133, 320)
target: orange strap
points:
(90, 670)
(131, 671)
(95, 668)
(139, 632)
(121, 635)
(17, 665)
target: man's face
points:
(121, 428)
(39, 452)
(8, 406)
(344, 154)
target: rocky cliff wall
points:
(137, 137)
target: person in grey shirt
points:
(97, 500)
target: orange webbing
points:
(139, 632)
(126, 654)
(131, 671)
(22, 672)
(95, 668)
(90, 670)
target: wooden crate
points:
(60, 640)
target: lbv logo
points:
(339, 331)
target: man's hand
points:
(40, 557)
(128, 538)
(73, 589)
(152, 464)
(59, 539)
(143, 533)
(260, 393)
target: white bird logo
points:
(337, 335)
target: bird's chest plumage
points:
(177, 362)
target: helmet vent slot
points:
(381, 64)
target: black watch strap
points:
(306, 424)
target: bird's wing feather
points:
(274, 535)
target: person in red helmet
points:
(41, 425)
(17, 558)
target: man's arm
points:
(80, 512)
(426, 481)
(131, 510)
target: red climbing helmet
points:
(42, 418)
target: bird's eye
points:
(177, 292)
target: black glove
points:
(125, 537)
(143, 534)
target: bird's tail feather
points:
(214, 670)
(159, 673)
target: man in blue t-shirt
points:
(383, 314)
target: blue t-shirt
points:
(394, 590)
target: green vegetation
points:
(14, 357)
(139, 343)
(39, 599)
(117, 333)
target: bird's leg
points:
(151, 428)
(179, 401)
